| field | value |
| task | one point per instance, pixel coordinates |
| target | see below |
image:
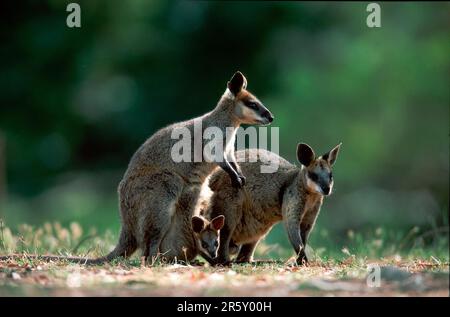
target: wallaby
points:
(155, 189)
(293, 195)
(186, 240)
(207, 236)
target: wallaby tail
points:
(125, 247)
(48, 258)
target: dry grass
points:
(400, 276)
(36, 278)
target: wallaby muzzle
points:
(266, 115)
(212, 252)
(326, 190)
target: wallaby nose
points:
(326, 190)
(268, 116)
(212, 253)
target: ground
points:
(398, 278)
(399, 267)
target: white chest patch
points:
(230, 140)
(204, 199)
(313, 186)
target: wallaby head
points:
(317, 170)
(246, 107)
(207, 233)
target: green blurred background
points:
(77, 103)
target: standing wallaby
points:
(156, 191)
(292, 195)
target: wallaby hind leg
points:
(158, 194)
(246, 253)
(155, 226)
(233, 248)
(127, 244)
(223, 253)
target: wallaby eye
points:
(204, 245)
(331, 176)
(313, 176)
(252, 105)
(216, 244)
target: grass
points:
(413, 264)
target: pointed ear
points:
(218, 222)
(331, 156)
(237, 83)
(198, 224)
(305, 154)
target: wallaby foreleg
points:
(305, 229)
(223, 256)
(234, 248)
(236, 167)
(237, 181)
(210, 260)
(155, 226)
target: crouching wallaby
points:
(293, 195)
(184, 243)
(157, 191)
(207, 236)
(189, 236)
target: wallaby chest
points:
(311, 206)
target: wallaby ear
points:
(198, 224)
(331, 156)
(305, 154)
(237, 83)
(218, 222)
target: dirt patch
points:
(415, 278)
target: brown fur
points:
(266, 200)
(158, 196)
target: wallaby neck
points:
(222, 115)
(302, 177)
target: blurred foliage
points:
(76, 103)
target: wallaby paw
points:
(237, 182)
(302, 259)
(220, 262)
(243, 261)
(196, 263)
(242, 179)
(225, 264)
